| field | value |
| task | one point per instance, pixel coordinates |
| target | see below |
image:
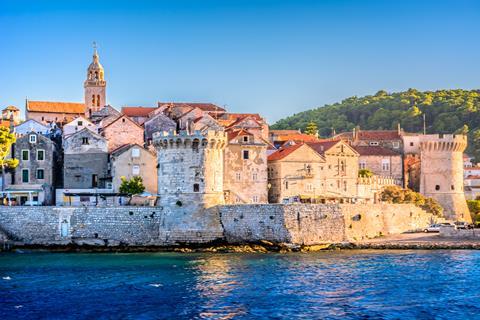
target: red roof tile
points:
(202, 106)
(137, 111)
(322, 146)
(283, 152)
(55, 107)
(375, 151)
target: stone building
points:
(190, 170)
(78, 124)
(32, 126)
(442, 173)
(390, 139)
(313, 172)
(85, 160)
(122, 131)
(133, 160)
(245, 170)
(138, 114)
(12, 114)
(33, 178)
(158, 123)
(381, 161)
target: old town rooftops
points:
(55, 107)
(201, 106)
(283, 152)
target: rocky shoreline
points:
(257, 247)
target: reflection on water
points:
(334, 285)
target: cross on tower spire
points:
(94, 47)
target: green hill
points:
(446, 111)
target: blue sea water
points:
(323, 285)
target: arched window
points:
(96, 75)
(93, 99)
(98, 100)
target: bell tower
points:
(95, 85)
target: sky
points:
(275, 58)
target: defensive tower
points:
(190, 169)
(441, 174)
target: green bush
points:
(365, 173)
(395, 194)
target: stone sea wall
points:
(155, 226)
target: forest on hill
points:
(445, 111)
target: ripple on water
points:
(336, 285)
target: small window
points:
(344, 185)
(254, 177)
(286, 185)
(308, 187)
(196, 187)
(386, 164)
(25, 155)
(245, 138)
(452, 187)
(373, 143)
(363, 164)
(255, 199)
(246, 154)
(85, 140)
(437, 187)
(238, 176)
(40, 174)
(25, 176)
(411, 144)
(80, 123)
(33, 138)
(40, 155)
(136, 170)
(94, 180)
(135, 153)
(396, 144)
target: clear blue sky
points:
(272, 57)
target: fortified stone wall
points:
(147, 226)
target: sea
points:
(345, 284)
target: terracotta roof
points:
(371, 135)
(237, 116)
(5, 123)
(119, 117)
(322, 146)
(12, 108)
(299, 137)
(202, 106)
(232, 134)
(375, 151)
(137, 111)
(284, 132)
(55, 107)
(283, 152)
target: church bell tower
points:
(95, 85)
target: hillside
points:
(446, 111)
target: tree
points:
(311, 129)
(7, 139)
(462, 130)
(395, 194)
(365, 173)
(132, 187)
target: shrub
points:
(365, 173)
(395, 194)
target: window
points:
(196, 187)
(25, 176)
(411, 144)
(308, 187)
(342, 166)
(85, 140)
(245, 138)
(386, 164)
(80, 123)
(255, 199)
(40, 155)
(32, 138)
(135, 153)
(94, 180)
(25, 155)
(286, 185)
(437, 187)
(40, 174)
(344, 185)
(363, 164)
(136, 170)
(254, 177)
(452, 187)
(373, 143)
(238, 176)
(396, 144)
(246, 154)
(238, 200)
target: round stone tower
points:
(441, 173)
(190, 169)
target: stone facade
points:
(133, 160)
(317, 172)
(245, 173)
(122, 131)
(155, 226)
(95, 86)
(85, 160)
(190, 169)
(32, 126)
(78, 124)
(159, 123)
(35, 171)
(442, 173)
(381, 161)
